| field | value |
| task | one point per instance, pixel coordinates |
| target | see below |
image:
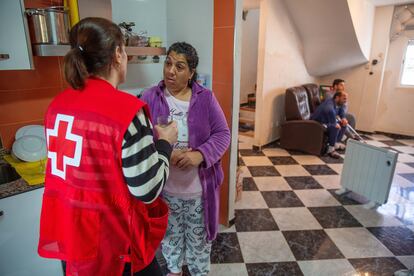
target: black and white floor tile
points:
(289, 220)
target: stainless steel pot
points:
(49, 25)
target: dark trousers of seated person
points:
(153, 269)
(335, 135)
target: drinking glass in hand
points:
(164, 120)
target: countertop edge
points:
(17, 187)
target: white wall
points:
(178, 20)
(250, 36)
(192, 21)
(396, 105)
(280, 65)
(377, 100)
(364, 89)
(372, 85)
(150, 16)
(250, 4)
(235, 106)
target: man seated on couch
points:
(332, 114)
(338, 85)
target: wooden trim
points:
(250, 109)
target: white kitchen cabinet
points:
(15, 48)
(19, 235)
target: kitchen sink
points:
(7, 173)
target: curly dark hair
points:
(190, 54)
(336, 82)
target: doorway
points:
(248, 72)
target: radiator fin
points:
(368, 170)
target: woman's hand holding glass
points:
(164, 120)
(168, 132)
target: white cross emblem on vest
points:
(64, 147)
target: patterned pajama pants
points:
(186, 237)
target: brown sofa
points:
(299, 132)
(312, 90)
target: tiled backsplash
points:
(25, 95)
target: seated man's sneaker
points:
(339, 146)
(334, 154)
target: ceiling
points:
(255, 4)
(330, 42)
(391, 2)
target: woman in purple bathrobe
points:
(193, 187)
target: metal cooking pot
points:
(49, 25)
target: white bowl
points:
(30, 148)
(36, 130)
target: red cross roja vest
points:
(89, 219)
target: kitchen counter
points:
(17, 187)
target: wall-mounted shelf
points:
(145, 51)
(47, 50)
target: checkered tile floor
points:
(290, 222)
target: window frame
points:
(410, 42)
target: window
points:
(407, 76)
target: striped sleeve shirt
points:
(145, 163)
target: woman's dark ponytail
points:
(93, 43)
(75, 69)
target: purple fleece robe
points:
(209, 134)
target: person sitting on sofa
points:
(332, 114)
(338, 85)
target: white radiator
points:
(368, 171)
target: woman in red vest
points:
(101, 213)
